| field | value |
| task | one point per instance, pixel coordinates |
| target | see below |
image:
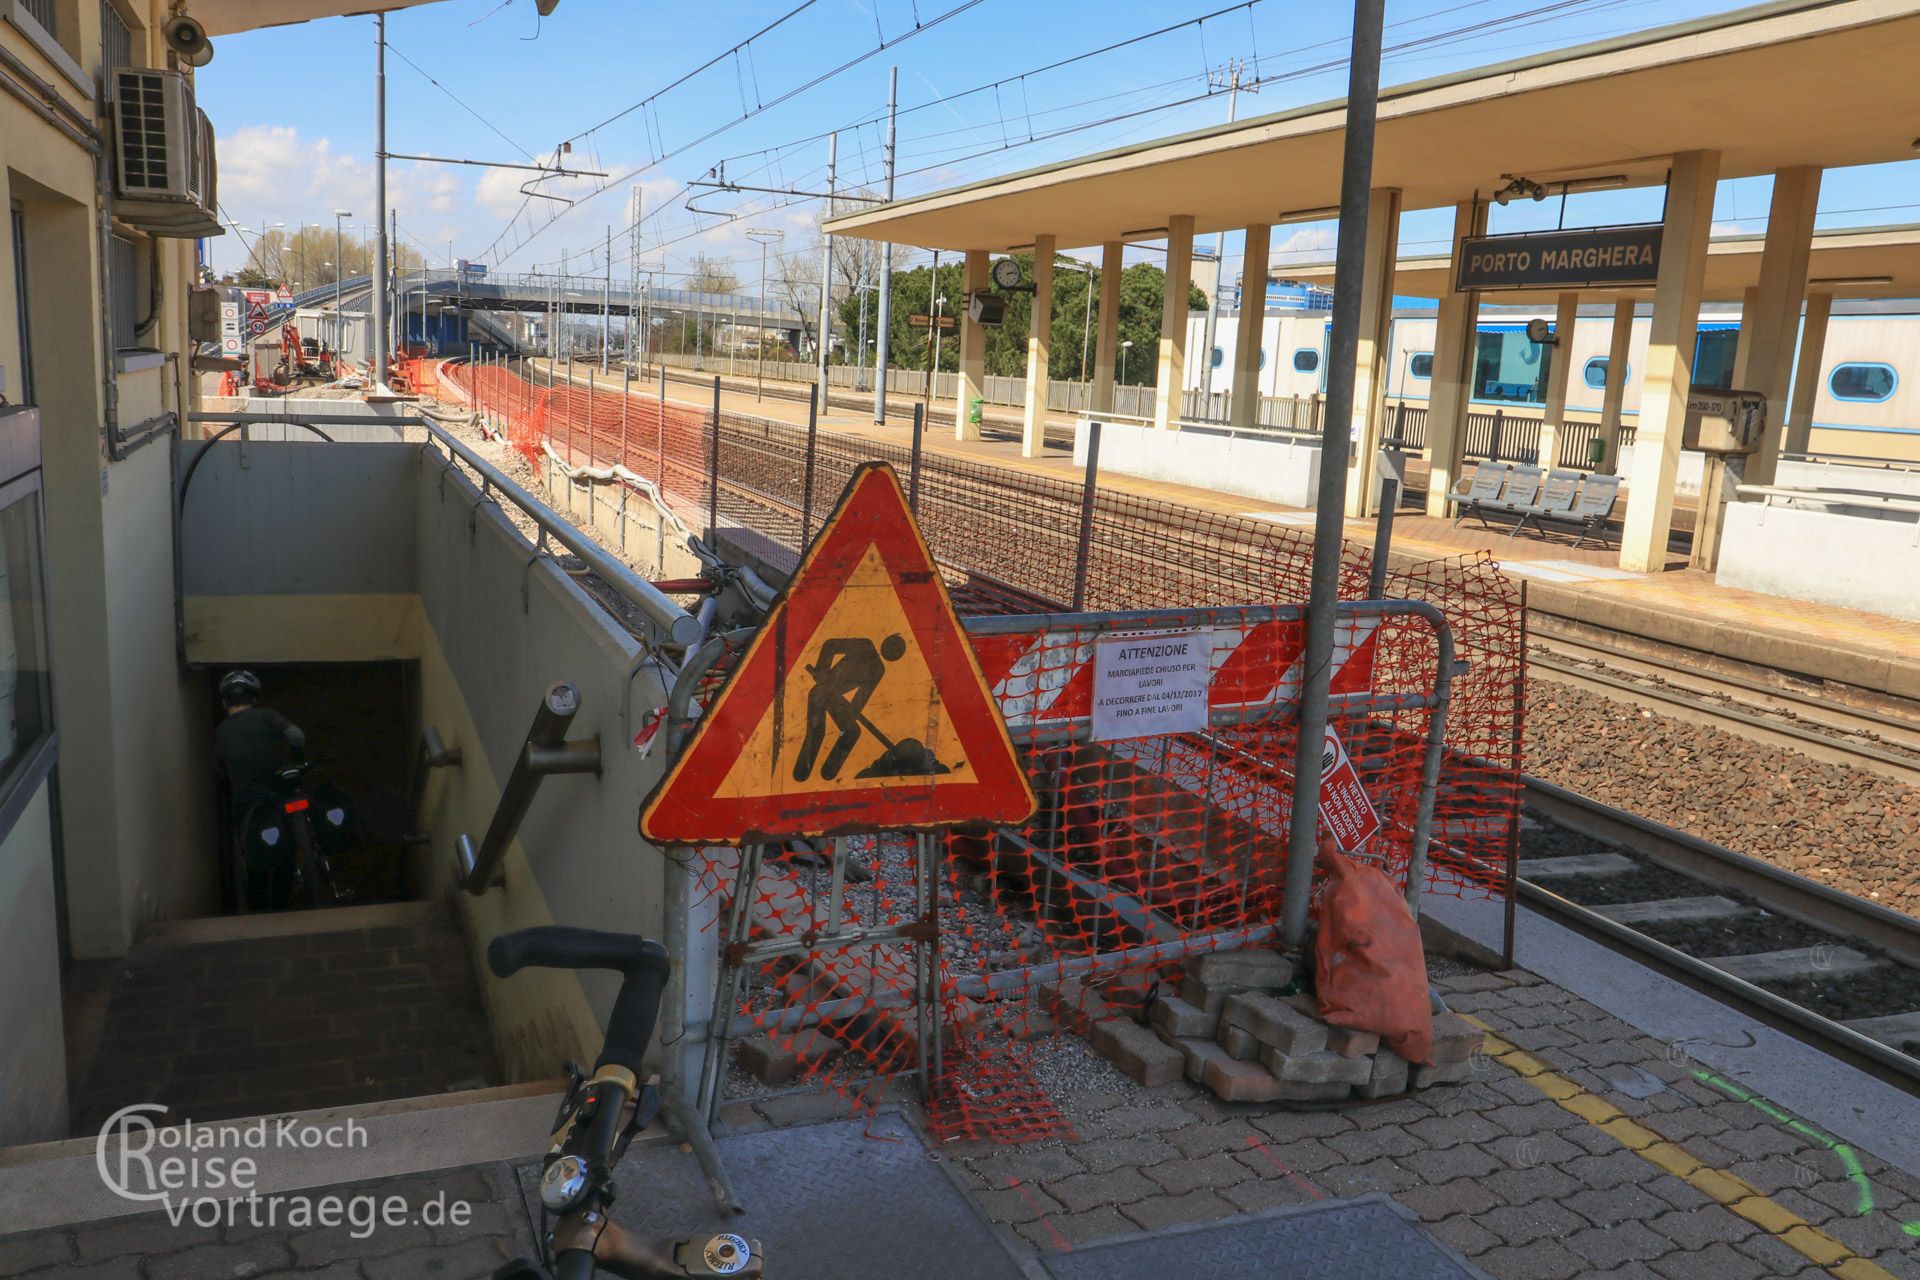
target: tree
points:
(305, 259)
(1074, 332)
(796, 281)
(708, 276)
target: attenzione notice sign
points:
(1151, 683)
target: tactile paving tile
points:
(826, 1201)
(1330, 1240)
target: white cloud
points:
(1307, 244)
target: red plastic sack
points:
(1371, 968)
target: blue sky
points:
(293, 107)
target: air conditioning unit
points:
(163, 162)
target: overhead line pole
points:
(882, 345)
(377, 277)
(1356, 183)
(826, 268)
(1220, 271)
(606, 306)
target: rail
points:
(546, 752)
(667, 624)
(1829, 497)
(1792, 896)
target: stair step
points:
(53, 1184)
(286, 924)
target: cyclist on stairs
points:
(252, 744)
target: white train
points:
(1863, 407)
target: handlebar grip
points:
(643, 963)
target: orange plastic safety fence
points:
(1177, 840)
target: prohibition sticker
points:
(1344, 806)
(1149, 683)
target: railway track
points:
(1836, 970)
(1817, 724)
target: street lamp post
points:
(763, 236)
(1124, 348)
(933, 350)
(339, 261)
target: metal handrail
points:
(666, 621)
(1830, 497)
(545, 752)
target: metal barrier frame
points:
(680, 724)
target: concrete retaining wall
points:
(1824, 557)
(1279, 469)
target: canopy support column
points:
(1106, 344)
(1669, 365)
(1370, 364)
(1783, 285)
(1615, 396)
(1250, 330)
(1806, 374)
(1558, 373)
(971, 385)
(1170, 387)
(1454, 348)
(1033, 434)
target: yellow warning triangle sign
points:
(858, 706)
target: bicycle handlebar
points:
(642, 962)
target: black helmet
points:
(237, 688)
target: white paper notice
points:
(1151, 683)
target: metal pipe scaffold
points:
(1356, 182)
(826, 270)
(883, 344)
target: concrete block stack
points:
(1229, 1029)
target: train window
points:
(1508, 367)
(1219, 358)
(1306, 360)
(1420, 365)
(1595, 373)
(1714, 349)
(1869, 382)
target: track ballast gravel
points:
(1851, 829)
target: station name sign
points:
(1597, 257)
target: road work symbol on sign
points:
(858, 706)
(850, 669)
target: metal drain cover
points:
(844, 1201)
(1329, 1240)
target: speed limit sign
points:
(257, 327)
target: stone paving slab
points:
(1576, 1147)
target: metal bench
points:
(1599, 494)
(1483, 486)
(1556, 501)
(1516, 498)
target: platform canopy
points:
(225, 17)
(1852, 262)
(1801, 82)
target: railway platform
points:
(1583, 586)
(1617, 1125)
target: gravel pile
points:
(1854, 830)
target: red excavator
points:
(302, 360)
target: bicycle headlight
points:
(564, 1184)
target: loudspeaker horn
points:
(189, 39)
